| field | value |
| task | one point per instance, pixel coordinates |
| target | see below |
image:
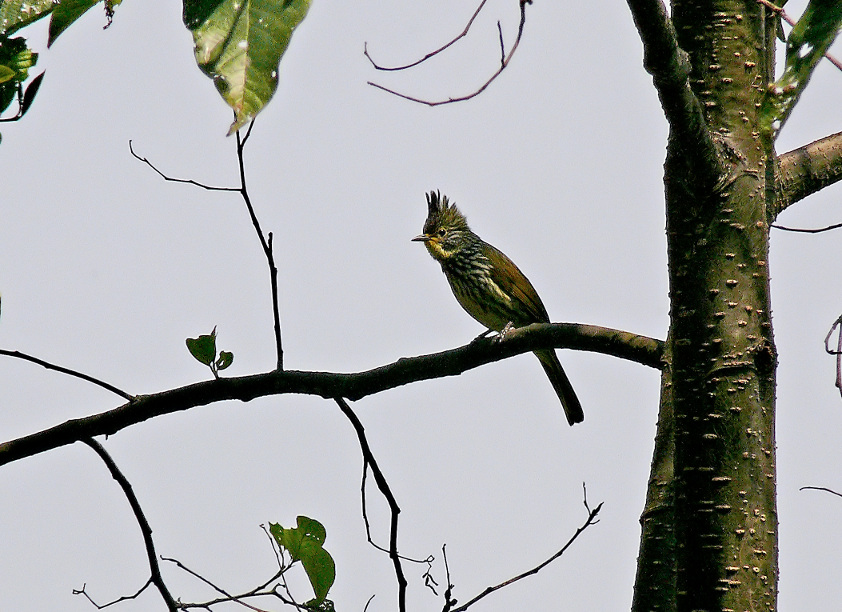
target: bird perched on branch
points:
(490, 287)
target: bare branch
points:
(145, 529)
(68, 371)
(591, 520)
(808, 169)
(259, 591)
(265, 241)
(386, 491)
(329, 385)
(670, 69)
(821, 489)
(120, 599)
(266, 245)
(431, 53)
(807, 230)
(503, 64)
(838, 352)
(177, 180)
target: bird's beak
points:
(421, 238)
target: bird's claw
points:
(509, 328)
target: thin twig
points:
(837, 352)
(364, 505)
(178, 180)
(821, 489)
(807, 230)
(503, 64)
(431, 53)
(114, 602)
(228, 597)
(588, 522)
(68, 371)
(145, 529)
(777, 9)
(449, 601)
(265, 243)
(265, 240)
(386, 491)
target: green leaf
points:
(15, 14)
(807, 44)
(31, 91)
(239, 44)
(17, 58)
(225, 359)
(203, 348)
(65, 13)
(304, 543)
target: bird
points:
(490, 287)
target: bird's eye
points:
(442, 232)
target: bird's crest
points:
(442, 213)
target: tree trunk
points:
(710, 522)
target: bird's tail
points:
(562, 386)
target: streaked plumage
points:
(490, 287)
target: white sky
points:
(106, 268)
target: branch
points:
(145, 529)
(591, 520)
(807, 230)
(386, 491)
(431, 53)
(68, 371)
(838, 352)
(265, 242)
(329, 385)
(670, 69)
(504, 62)
(807, 170)
(825, 489)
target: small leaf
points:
(320, 568)
(6, 73)
(203, 348)
(304, 543)
(226, 358)
(29, 94)
(65, 13)
(15, 14)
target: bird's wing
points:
(514, 283)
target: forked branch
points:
(670, 69)
(152, 557)
(504, 61)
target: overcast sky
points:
(106, 268)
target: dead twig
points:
(504, 62)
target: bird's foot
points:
(484, 335)
(509, 328)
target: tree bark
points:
(710, 524)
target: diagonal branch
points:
(386, 491)
(808, 169)
(265, 239)
(590, 520)
(68, 371)
(463, 34)
(504, 62)
(670, 69)
(329, 385)
(145, 529)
